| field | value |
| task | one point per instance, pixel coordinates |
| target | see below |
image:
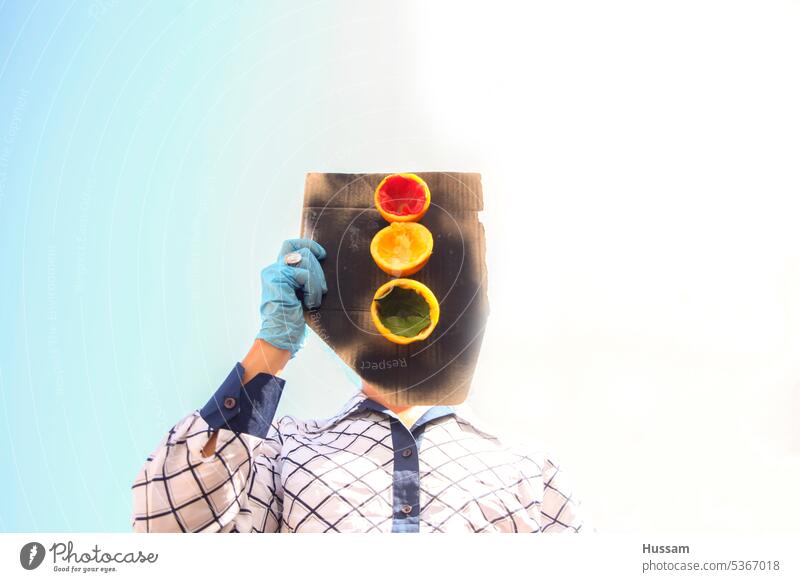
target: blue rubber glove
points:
(282, 322)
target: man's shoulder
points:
(293, 425)
(525, 446)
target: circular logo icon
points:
(31, 555)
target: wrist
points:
(264, 357)
(284, 335)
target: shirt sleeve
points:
(560, 510)
(242, 408)
(234, 489)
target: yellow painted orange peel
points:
(399, 315)
(402, 248)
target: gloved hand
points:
(282, 322)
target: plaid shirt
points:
(361, 470)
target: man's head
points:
(339, 213)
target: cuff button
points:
(229, 403)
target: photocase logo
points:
(31, 555)
(67, 558)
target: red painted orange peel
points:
(402, 198)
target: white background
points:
(641, 180)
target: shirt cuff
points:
(247, 408)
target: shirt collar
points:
(359, 402)
(431, 414)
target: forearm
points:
(263, 357)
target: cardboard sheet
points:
(339, 213)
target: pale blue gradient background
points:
(154, 159)
(645, 304)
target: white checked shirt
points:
(361, 470)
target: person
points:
(372, 467)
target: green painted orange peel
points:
(404, 311)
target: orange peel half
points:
(402, 248)
(420, 289)
(402, 198)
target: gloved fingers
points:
(279, 282)
(295, 244)
(309, 284)
(310, 262)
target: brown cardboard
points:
(339, 213)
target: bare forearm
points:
(263, 357)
